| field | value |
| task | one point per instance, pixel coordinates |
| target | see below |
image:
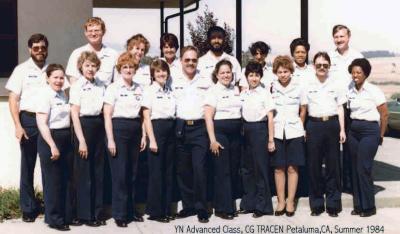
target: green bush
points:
(9, 203)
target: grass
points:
(9, 203)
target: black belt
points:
(31, 114)
(323, 118)
(194, 122)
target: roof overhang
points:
(143, 4)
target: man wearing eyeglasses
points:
(24, 84)
(94, 31)
(189, 89)
(341, 58)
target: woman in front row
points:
(159, 120)
(54, 146)
(325, 130)
(368, 113)
(122, 118)
(222, 115)
(258, 114)
(86, 99)
(289, 100)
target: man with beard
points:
(216, 41)
(24, 84)
(341, 58)
(94, 32)
(192, 144)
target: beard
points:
(39, 58)
(217, 49)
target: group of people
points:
(205, 125)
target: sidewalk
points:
(387, 183)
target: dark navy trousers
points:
(323, 143)
(226, 165)
(161, 164)
(363, 140)
(127, 135)
(28, 202)
(256, 168)
(55, 174)
(89, 172)
(192, 149)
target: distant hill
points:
(378, 54)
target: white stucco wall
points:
(10, 154)
(60, 20)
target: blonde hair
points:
(135, 40)
(95, 21)
(91, 57)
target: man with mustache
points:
(341, 58)
(216, 41)
(94, 32)
(192, 143)
(24, 84)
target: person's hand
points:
(271, 146)
(215, 146)
(112, 148)
(143, 143)
(381, 140)
(83, 151)
(153, 146)
(55, 154)
(305, 136)
(342, 137)
(20, 133)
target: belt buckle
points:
(190, 122)
(325, 118)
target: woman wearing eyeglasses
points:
(368, 113)
(325, 133)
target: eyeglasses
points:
(37, 48)
(320, 65)
(190, 60)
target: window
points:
(8, 37)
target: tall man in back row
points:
(24, 84)
(217, 44)
(94, 31)
(341, 58)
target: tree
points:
(198, 32)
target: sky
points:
(277, 22)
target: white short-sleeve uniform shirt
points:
(340, 64)
(303, 75)
(55, 104)
(26, 81)
(189, 95)
(323, 99)
(160, 101)
(225, 100)
(126, 100)
(208, 61)
(363, 103)
(256, 103)
(287, 105)
(175, 67)
(107, 56)
(88, 95)
(266, 80)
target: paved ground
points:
(386, 221)
(387, 181)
